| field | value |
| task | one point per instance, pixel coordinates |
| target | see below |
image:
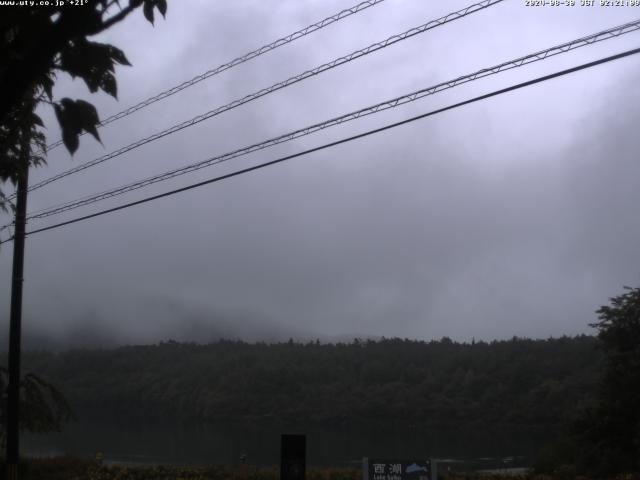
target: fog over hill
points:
(94, 331)
(515, 216)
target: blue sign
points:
(397, 470)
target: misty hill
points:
(421, 384)
(93, 331)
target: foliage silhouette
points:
(420, 384)
(43, 408)
(613, 427)
(36, 44)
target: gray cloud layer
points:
(511, 217)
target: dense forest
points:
(420, 384)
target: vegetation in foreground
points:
(521, 381)
(70, 468)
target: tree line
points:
(414, 383)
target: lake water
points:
(346, 446)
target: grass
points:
(72, 468)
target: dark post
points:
(13, 389)
(293, 457)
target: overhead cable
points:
(388, 104)
(235, 62)
(341, 141)
(278, 86)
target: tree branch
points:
(118, 17)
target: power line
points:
(397, 101)
(235, 62)
(344, 140)
(278, 86)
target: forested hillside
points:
(420, 384)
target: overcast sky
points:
(513, 216)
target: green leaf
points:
(39, 140)
(118, 55)
(87, 116)
(70, 140)
(60, 112)
(73, 117)
(37, 120)
(108, 84)
(94, 63)
(147, 9)
(37, 160)
(47, 86)
(162, 7)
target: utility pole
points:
(13, 390)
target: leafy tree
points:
(36, 44)
(616, 420)
(43, 408)
(516, 383)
